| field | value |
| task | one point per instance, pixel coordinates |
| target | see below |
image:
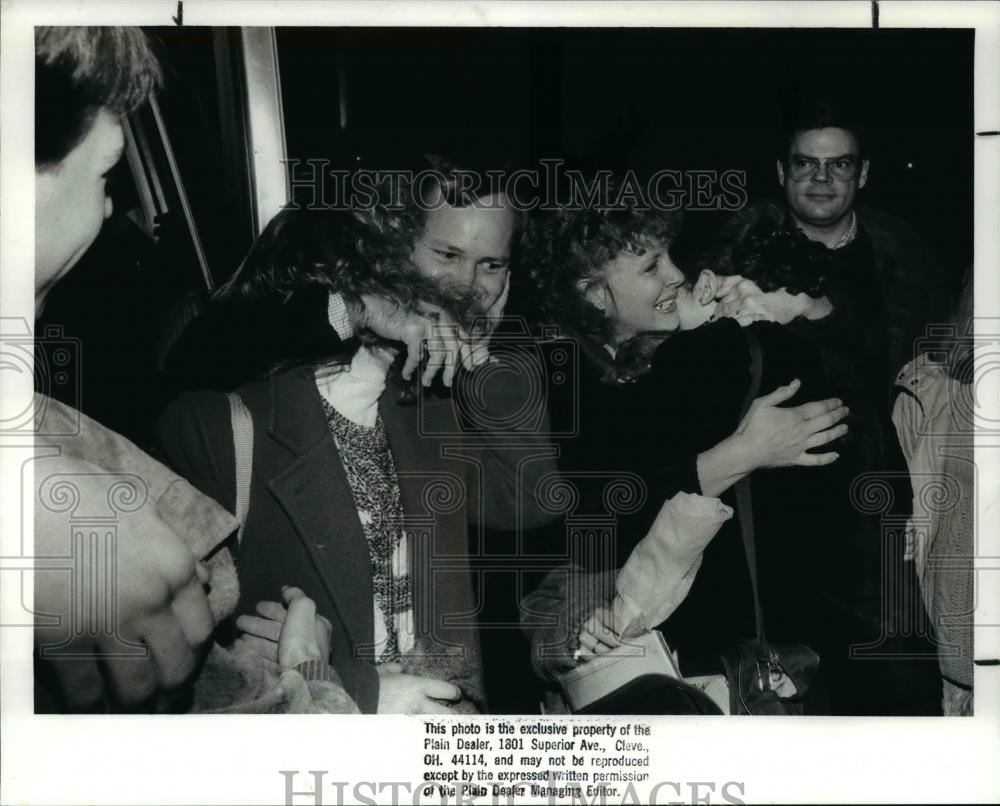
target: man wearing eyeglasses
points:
(822, 175)
(888, 276)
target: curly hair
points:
(562, 247)
(758, 244)
(559, 248)
(80, 70)
(358, 252)
(353, 252)
(761, 244)
(364, 249)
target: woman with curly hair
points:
(606, 278)
(667, 406)
(352, 493)
(429, 233)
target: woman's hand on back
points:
(773, 436)
(777, 436)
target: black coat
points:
(820, 549)
(303, 528)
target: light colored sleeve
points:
(659, 572)
(905, 415)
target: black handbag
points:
(760, 673)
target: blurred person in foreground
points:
(122, 617)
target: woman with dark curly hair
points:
(352, 494)
(291, 305)
(666, 406)
(759, 250)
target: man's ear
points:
(781, 172)
(593, 291)
(706, 286)
(863, 176)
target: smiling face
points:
(468, 248)
(815, 194)
(637, 291)
(71, 202)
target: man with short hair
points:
(822, 172)
(822, 165)
(85, 80)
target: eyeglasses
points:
(842, 168)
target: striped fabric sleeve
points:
(336, 314)
(317, 670)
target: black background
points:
(645, 99)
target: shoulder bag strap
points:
(744, 500)
(243, 455)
